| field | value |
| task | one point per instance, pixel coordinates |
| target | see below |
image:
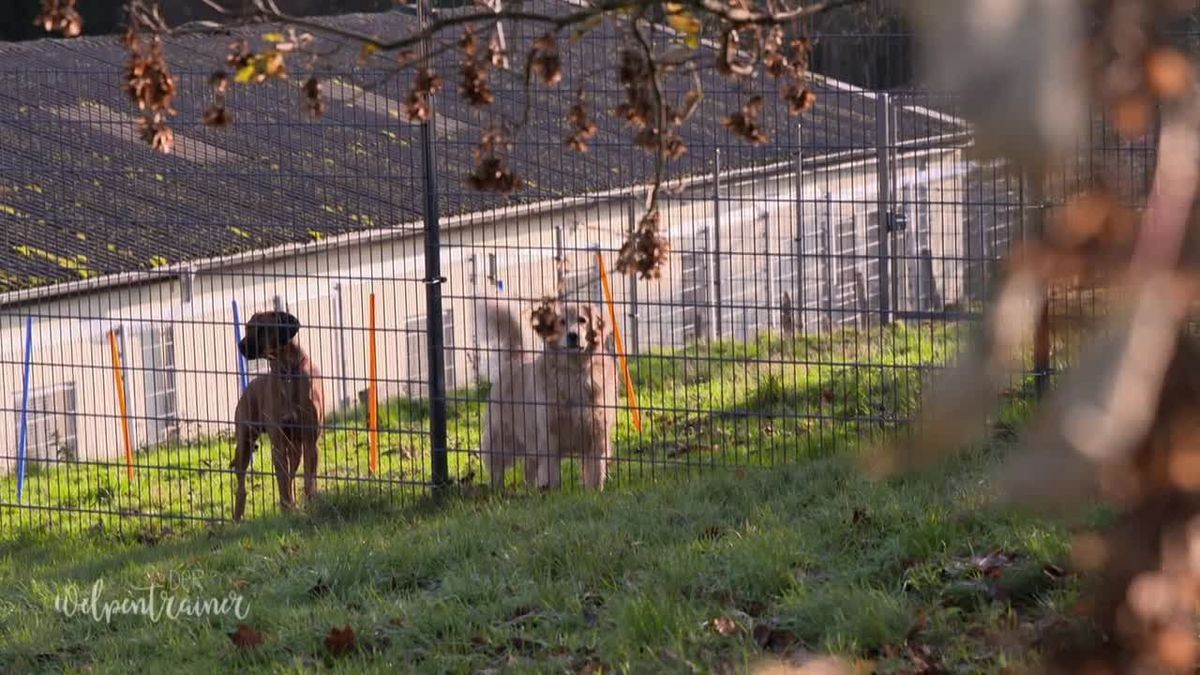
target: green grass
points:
(629, 579)
(761, 403)
(791, 550)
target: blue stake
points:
(237, 338)
(23, 434)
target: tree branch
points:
(268, 12)
(660, 155)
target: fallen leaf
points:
(245, 637)
(919, 625)
(1053, 571)
(773, 639)
(724, 625)
(319, 589)
(993, 564)
(340, 640)
(859, 517)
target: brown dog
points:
(287, 404)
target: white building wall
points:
(70, 333)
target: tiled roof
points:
(80, 196)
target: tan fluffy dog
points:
(287, 404)
(560, 403)
(514, 425)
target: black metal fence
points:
(813, 282)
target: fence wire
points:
(814, 281)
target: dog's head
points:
(266, 332)
(577, 328)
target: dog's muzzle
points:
(573, 340)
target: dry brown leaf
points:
(724, 625)
(774, 639)
(245, 637)
(340, 641)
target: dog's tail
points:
(500, 324)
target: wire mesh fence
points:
(814, 280)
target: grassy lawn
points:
(688, 564)
(759, 403)
(808, 557)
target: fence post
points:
(798, 252)
(473, 280)
(766, 221)
(344, 368)
(716, 246)
(560, 261)
(23, 427)
(905, 254)
(883, 163)
(132, 409)
(1041, 337)
(243, 373)
(705, 326)
(827, 236)
(440, 465)
(632, 293)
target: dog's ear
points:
(248, 347)
(269, 330)
(597, 318)
(545, 319)
(596, 326)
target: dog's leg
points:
(294, 454)
(532, 472)
(497, 465)
(310, 469)
(281, 455)
(550, 475)
(605, 459)
(595, 465)
(244, 445)
(592, 478)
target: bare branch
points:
(660, 156)
(746, 17)
(267, 11)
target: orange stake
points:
(119, 381)
(373, 396)
(612, 315)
